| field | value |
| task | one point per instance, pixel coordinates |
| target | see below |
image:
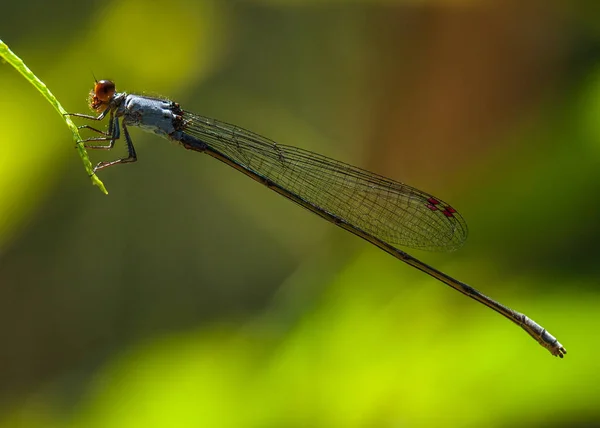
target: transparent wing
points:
(388, 210)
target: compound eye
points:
(104, 90)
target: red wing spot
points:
(433, 201)
(432, 207)
(448, 213)
(450, 209)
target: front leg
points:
(87, 116)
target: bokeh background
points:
(191, 296)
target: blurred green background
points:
(191, 296)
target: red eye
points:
(104, 90)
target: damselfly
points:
(384, 212)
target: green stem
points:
(18, 63)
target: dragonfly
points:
(384, 212)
